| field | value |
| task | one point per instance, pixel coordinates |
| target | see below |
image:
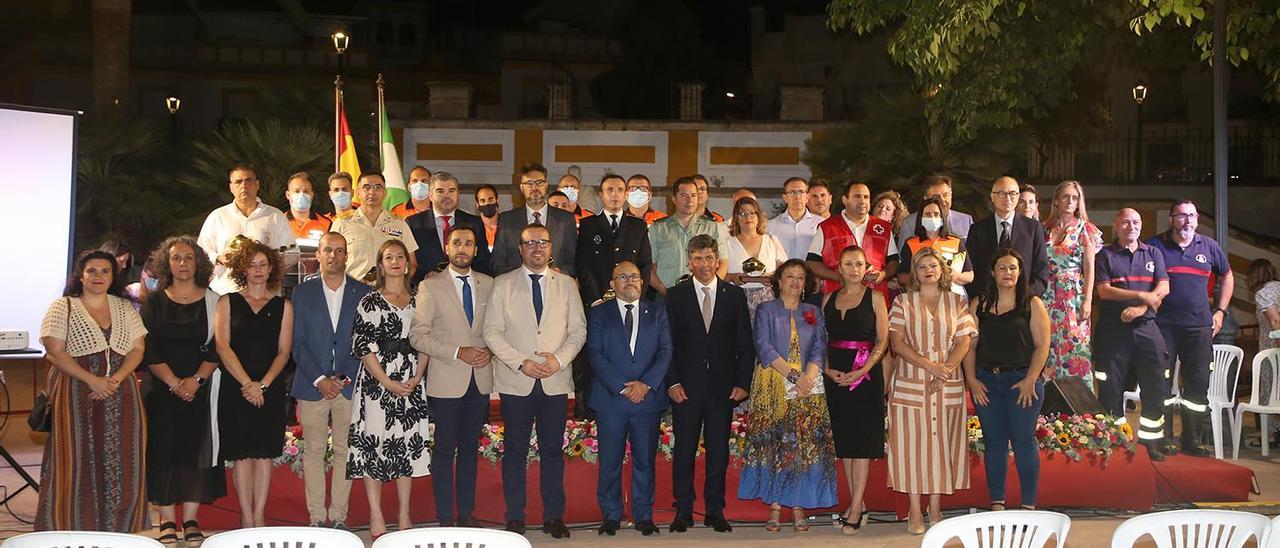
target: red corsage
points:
(810, 318)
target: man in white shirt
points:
(958, 223)
(246, 215)
(796, 226)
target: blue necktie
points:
(537, 296)
(466, 300)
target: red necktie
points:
(444, 235)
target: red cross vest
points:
(836, 235)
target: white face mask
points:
(419, 191)
(300, 202)
(341, 199)
(931, 224)
(570, 193)
(637, 198)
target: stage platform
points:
(1128, 481)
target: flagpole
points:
(382, 160)
(337, 124)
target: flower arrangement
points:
(294, 444)
(1075, 436)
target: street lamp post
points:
(340, 42)
(173, 104)
(1139, 96)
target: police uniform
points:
(1186, 321)
(364, 238)
(1120, 348)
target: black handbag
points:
(40, 420)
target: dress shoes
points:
(609, 527)
(681, 524)
(718, 523)
(646, 527)
(516, 526)
(555, 528)
(468, 521)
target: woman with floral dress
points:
(389, 430)
(1072, 241)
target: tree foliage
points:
(121, 188)
(1000, 63)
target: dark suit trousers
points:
(518, 415)
(710, 420)
(613, 429)
(458, 423)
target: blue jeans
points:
(1005, 422)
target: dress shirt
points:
(453, 221)
(635, 319)
(614, 217)
(795, 235)
(697, 290)
(1009, 220)
(332, 299)
(541, 213)
(542, 286)
(265, 224)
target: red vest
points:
(836, 236)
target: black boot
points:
(1169, 445)
(1192, 426)
(1153, 450)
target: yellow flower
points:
(577, 449)
(1127, 430)
(1064, 439)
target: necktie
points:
(1004, 234)
(466, 300)
(444, 234)
(537, 296)
(628, 323)
(537, 217)
(706, 308)
(613, 222)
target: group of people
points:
(824, 324)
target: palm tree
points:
(122, 189)
(111, 23)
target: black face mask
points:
(489, 210)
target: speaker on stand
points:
(1069, 395)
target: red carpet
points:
(1125, 483)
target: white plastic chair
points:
(80, 539)
(1135, 395)
(1255, 405)
(1273, 540)
(1198, 528)
(1222, 389)
(284, 537)
(1006, 529)
(451, 537)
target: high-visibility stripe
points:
(1100, 375)
(1166, 373)
(1172, 401)
(1197, 407)
(1144, 422)
(1145, 435)
(1188, 270)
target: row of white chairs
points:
(1173, 529)
(283, 537)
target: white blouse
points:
(771, 254)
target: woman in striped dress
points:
(929, 330)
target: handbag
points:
(40, 420)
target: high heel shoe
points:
(799, 522)
(864, 518)
(774, 524)
(915, 527)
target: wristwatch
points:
(199, 380)
(793, 376)
(1217, 310)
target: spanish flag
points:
(347, 160)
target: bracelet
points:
(262, 386)
(793, 376)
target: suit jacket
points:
(609, 347)
(318, 350)
(1027, 238)
(506, 247)
(513, 335)
(440, 328)
(430, 253)
(599, 250)
(710, 365)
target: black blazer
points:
(506, 247)
(430, 254)
(1027, 239)
(710, 365)
(599, 250)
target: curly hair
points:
(899, 208)
(239, 265)
(75, 285)
(158, 264)
(944, 276)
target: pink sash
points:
(859, 359)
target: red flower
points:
(810, 318)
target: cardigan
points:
(84, 336)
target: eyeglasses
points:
(539, 183)
(747, 214)
(1009, 195)
(536, 243)
(371, 187)
(624, 278)
(1185, 216)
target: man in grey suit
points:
(448, 326)
(536, 329)
(324, 315)
(561, 226)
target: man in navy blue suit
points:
(429, 228)
(324, 314)
(629, 343)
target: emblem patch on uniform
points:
(1151, 266)
(393, 232)
(597, 239)
(878, 229)
(1200, 258)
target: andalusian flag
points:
(347, 160)
(397, 191)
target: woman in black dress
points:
(857, 334)
(254, 334)
(182, 463)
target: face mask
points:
(300, 202)
(489, 210)
(637, 198)
(419, 191)
(931, 224)
(341, 200)
(570, 193)
(152, 284)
